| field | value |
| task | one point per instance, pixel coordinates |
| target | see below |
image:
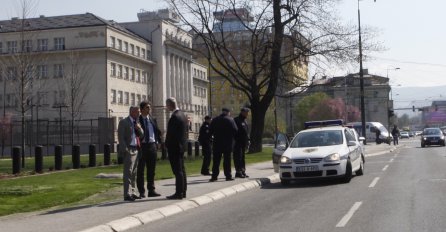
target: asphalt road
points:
(400, 191)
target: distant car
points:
(323, 150)
(411, 133)
(417, 133)
(404, 134)
(432, 136)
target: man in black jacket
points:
(149, 147)
(223, 129)
(205, 140)
(241, 143)
(176, 143)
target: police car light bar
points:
(313, 124)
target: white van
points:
(371, 127)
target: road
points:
(400, 191)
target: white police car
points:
(326, 149)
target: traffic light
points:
(413, 108)
(391, 114)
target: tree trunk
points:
(257, 126)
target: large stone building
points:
(121, 64)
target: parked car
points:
(411, 133)
(323, 149)
(432, 136)
(404, 135)
(371, 128)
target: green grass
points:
(67, 188)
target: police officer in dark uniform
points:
(223, 129)
(204, 138)
(241, 143)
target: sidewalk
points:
(91, 216)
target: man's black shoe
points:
(239, 175)
(184, 195)
(129, 198)
(175, 197)
(213, 179)
(142, 196)
(245, 176)
(153, 194)
(229, 178)
(135, 197)
(206, 173)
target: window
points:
(59, 43)
(113, 96)
(120, 97)
(42, 45)
(144, 97)
(112, 42)
(126, 73)
(59, 97)
(113, 69)
(27, 46)
(144, 77)
(58, 70)
(132, 49)
(137, 51)
(12, 46)
(119, 71)
(132, 74)
(42, 71)
(11, 73)
(119, 44)
(143, 53)
(42, 98)
(126, 47)
(138, 98)
(138, 73)
(132, 99)
(126, 98)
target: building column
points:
(168, 72)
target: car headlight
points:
(285, 160)
(424, 138)
(333, 157)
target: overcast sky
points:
(412, 32)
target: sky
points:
(412, 33)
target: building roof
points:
(61, 22)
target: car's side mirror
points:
(361, 139)
(282, 146)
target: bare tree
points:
(20, 65)
(275, 38)
(76, 86)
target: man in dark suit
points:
(130, 135)
(205, 139)
(149, 146)
(223, 129)
(176, 143)
(241, 142)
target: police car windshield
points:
(317, 139)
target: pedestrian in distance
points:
(149, 146)
(223, 129)
(395, 134)
(205, 139)
(241, 143)
(176, 144)
(377, 134)
(130, 134)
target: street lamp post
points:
(361, 78)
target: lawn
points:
(68, 187)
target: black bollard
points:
(163, 152)
(58, 157)
(120, 158)
(76, 156)
(197, 149)
(106, 154)
(189, 149)
(92, 156)
(38, 164)
(16, 160)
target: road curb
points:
(146, 217)
(381, 152)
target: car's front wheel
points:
(348, 172)
(284, 182)
(423, 145)
(360, 171)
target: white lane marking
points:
(391, 160)
(374, 182)
(385, 168)
(349, 215)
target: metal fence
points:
(59, 132)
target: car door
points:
(281, 144)
(354, 149)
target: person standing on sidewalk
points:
(241, 143)
(176, 143)
(223, 129)
(395, 134)
(149, 147)
(205, 139)
(130, 134)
